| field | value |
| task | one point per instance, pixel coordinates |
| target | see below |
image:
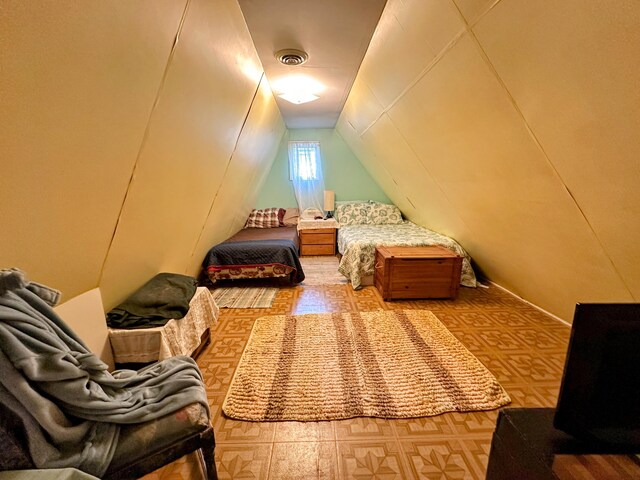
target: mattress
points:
(176, 337)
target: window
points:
(305, 172)
(304, 159)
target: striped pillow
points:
(265, 218)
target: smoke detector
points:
(291, 57)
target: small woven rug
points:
(322, 270)
(389, 364)
(244, 297)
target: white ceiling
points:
(334, 33)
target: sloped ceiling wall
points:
(512, 126)
(122, 124)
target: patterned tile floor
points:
(524, 348)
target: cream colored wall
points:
(245, 174)
(210, 87)
(512, 126)
(121, 125)
(77, 88)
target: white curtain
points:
(305, 164)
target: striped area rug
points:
(389, 364)
(244, 297)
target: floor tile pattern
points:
(522, 347)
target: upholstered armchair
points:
(60, 407)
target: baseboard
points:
(555, 317)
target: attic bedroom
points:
(382, 223)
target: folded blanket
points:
(70, 405)
(165, 296)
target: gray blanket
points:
(70, 405)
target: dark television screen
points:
(600, 392)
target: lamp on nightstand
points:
(329, 203)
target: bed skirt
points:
(235, 272)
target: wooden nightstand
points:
(318, 241)
(317, 237)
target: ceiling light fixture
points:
(291, 57)
(298, 97)
(298, 88)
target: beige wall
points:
(509, 125)
(245, 173)
(121, 122)
(512, 126)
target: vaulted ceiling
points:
(136, 134)
(334, 33)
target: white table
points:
(311, 224)
(176, 337)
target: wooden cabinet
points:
(318, 241)
(417, 272)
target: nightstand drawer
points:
(317, 250)
(319, 239)
(315, 231)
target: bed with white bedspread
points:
(363, 228)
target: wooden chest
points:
(318, 241)
(417, 272)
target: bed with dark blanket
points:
(256, 253)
